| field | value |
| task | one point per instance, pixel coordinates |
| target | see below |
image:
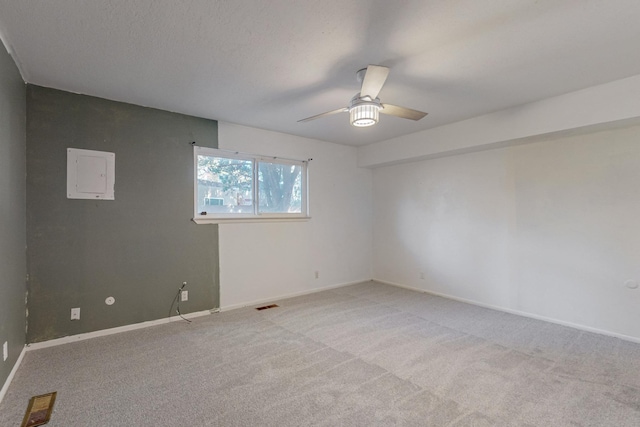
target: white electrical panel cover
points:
(90, 174)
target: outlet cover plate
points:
(5, 351)
(75, 313)
(184, 296)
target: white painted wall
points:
(549, 228)
(264, 261)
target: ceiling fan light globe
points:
(364, 115)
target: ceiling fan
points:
(365, 106)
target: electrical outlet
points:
(317, 274)
(75, 313)
(184, 296)
(422, 276)
(5, 351)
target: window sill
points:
(249, 220)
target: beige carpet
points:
(363, 355)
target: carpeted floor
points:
(363, 355)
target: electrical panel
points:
(90, 174)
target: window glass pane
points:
(239, 186)
(225, 185)
(279, 188)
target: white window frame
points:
(256, 215)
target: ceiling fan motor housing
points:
(363, 111)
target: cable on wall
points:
(176, 302)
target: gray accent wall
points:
(12, 212)
(138, 248)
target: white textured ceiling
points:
(269, 63)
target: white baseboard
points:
(285, 296)
(5, 387)
(104, 332)
(111, 331)
(518, 313)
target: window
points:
(234, 186)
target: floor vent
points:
(39, 410)
(266, 306)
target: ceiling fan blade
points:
(328, 113)
(373, 81)
(405, 113)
